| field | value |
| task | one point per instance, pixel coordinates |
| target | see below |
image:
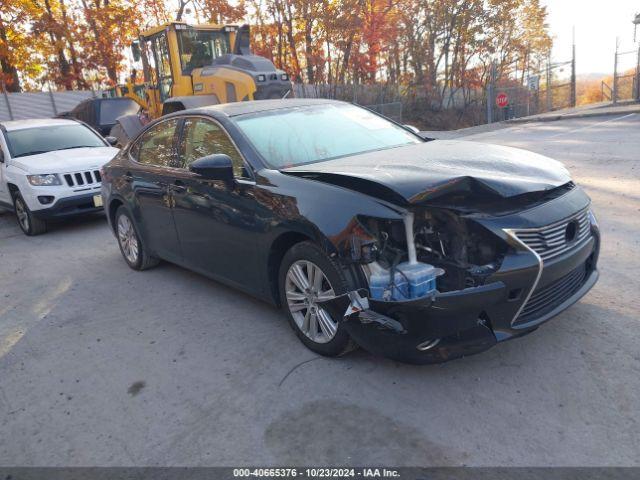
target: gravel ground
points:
(101, 365)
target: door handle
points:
(127, 177)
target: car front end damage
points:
(503, 273)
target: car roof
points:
(35, 122)
(254, 106)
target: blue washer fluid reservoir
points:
(421, 278)
(410, 281)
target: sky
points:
(597, 24)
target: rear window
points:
(110, 110)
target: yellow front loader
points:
(211, 62)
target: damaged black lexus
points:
(364, 232)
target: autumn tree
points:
(15, 46)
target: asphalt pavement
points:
(101, 365)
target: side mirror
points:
(111, 140)
(412, 128)
(1, 155)
(214, 167)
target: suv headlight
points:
(45, 180)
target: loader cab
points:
(198, 48)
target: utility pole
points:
(6, 99)
(573, 70)
(637, 92)
(549, 87)
(615, 75)
(491, 91)
(636, 22)
(53, 100)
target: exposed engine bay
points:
(463, 252)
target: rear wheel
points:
(307, 277)
(131, 246)
(29, 224)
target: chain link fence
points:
(385, 99)
(626, 76)
(513, 93)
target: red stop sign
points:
(502, 100)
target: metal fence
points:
(513, 94)
(626, 76)
(22, 106)
(384, 99)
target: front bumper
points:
(460, 323)
(69, 207)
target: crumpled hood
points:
(423, 172)
(66, 161)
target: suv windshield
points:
(110, 109)
(307, 134)
(199, 47)
(31, 141)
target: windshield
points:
(199, 47)
(110, 110)
(295, 136)
(31, 141)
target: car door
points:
(154, 161)
(216, 220)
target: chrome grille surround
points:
(534, 240)
(551, 240)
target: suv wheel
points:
(131, 247)
(308, 276)
(29, 224)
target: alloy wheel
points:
(128, 239)
(305, 286)
(21, 213)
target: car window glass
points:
(156, 145)
(37, 140)
(295, 136)
(201, 138)
(86, 112)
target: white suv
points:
(50, 169)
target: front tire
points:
(29, 224)
(133, 250)
(307, 276)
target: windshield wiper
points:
(76, 146)
(35, 152)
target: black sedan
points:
(364, 232)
